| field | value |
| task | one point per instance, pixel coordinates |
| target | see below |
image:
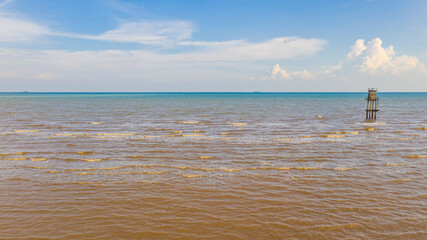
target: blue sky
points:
(117, 45)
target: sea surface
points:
(212, 166)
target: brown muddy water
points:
(212, 166)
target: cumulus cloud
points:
(406, 63)
(377, 59)
(371, 58)
(203, 62)
(144, 70)
(277, 73)
(357, 49)
(303, 74)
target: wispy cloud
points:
(330, 69)
(152, 33)
(239, 50)
(161, 33)
(15, 29)
(170, 34)
(19, 30)
(59, 69)
(211, 44)
(5, 2)
(123, 7)
(152, 70)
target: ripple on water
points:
(342, 169)
(16, 159)
(415, 156)
(191, 176)
(26, 131)
(189, 122)
(239, 124)
(402, 180)
(92, 160)
(241, 173)
(118, 173)
(34, 167)
(18, 153)
(339, 226)
(85, 152)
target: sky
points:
(213, 46)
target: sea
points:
(212, 166)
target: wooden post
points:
(371, 105)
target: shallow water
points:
(212, 166)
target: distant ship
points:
(256, 92)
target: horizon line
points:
(204, 92)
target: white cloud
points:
(165, 33)
(277, 73)
(330, 69)
(19, 30)
(376, 59)
(153, 33)
(277, 48)
(118, 69)
(406, 63)
(121, 70)
(239, 50)
(372, 58)
(169, 34)
(202, 67)
(124, 7)
(34, 70)
(211, 44)
(357, 49)
(304, 74)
